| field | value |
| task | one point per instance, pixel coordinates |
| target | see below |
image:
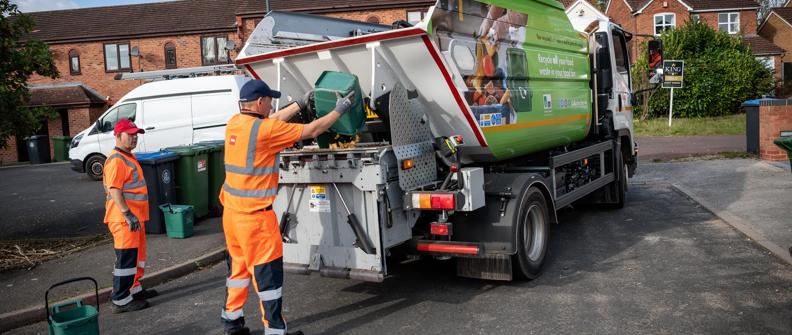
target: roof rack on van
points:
(180, 73)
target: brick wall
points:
(9, 153)
(777, 31)
(152, 50)
(747, 21)
(772, 121)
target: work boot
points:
(145, 294)
(237, 331)
(134, 305)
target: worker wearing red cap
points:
(252, 142)
(126, 211)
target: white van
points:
(173, 112)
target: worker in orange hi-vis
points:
(126, 211)
(253, 140)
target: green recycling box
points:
(329, 87)
(192, 177)
(785, 142)
(179, 220)
(61, 144)
(216, 172)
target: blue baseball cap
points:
(255, 89)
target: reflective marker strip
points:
(251, 171)
(237, 283)
(136, 289)
(124, 301)
(231, 316)
(267, 192)
(141, 264)
(124, 272)
(135, 196)
(270, 295)
(274, 331)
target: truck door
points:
(621, 66)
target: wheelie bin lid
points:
(156, 157)
(215, 145)
(188, 150)
(61, 137)
(785, 142)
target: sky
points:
(27, 6)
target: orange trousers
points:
(255, 251)
(130, 250)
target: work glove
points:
(302, 101)
(344, 104)
(132, 221)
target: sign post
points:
(673, 75)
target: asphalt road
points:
(47, 201)
(661, 265)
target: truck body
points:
(483, 120)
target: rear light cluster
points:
(443, 201)
(437, 228)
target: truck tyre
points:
(94, 167)
(621, 187)
(532, 235)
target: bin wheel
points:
(533, 231)
(94, 167)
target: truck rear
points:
(480, 122)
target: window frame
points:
(170, 45)
(116, 109)
(695, 17)
(118, 56)
(422, 12)
(72, 54)
(217, 50)
(654, 22)
(729, 22)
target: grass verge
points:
(724, 125)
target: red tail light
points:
(442, 201)
(439, 229)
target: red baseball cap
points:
(127, 126)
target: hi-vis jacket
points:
(252, 145)
(122, 171)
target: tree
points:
(720, 73)
(20, 57)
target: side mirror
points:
(655, 54)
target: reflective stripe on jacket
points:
(122, 171)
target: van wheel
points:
(532, 235)
(94, 167)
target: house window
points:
(663, 22)
(74, 62)
(213, 50)
(117, 57)
(170, 56)
(415, 16)
(729, 22)
(695, 17)
(768, 62)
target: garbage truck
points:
(470, 130)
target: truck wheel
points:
(94, 167)
(621, 188)
(532, 235)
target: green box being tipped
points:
(328, 88)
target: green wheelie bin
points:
(61, 145)
(192, 177)
(785, 142)
(216, 173)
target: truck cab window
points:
(126, 111)
(620, 53)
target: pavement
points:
(661, 265)
(63, 203)
(671, 147)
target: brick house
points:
(737, 17)
(91, 45)
(777, 28)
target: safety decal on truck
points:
(201, 165)
(318, 201)
(490, 120)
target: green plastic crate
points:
(179, 220)
(325, 97)
(80, 320)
